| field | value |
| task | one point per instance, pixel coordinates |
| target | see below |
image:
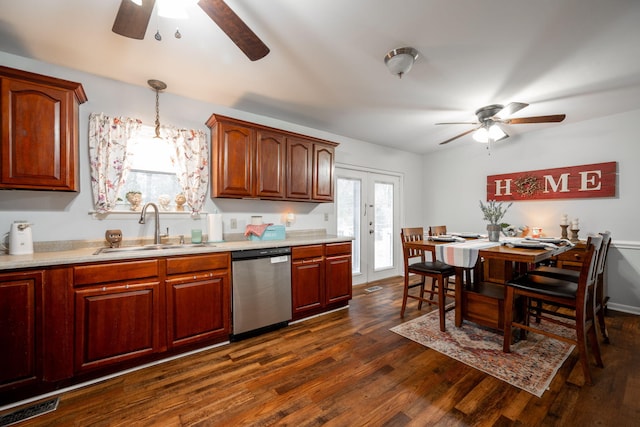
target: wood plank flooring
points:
(347, 369)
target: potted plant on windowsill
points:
(494, 212)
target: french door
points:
(368, 208)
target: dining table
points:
(484, 267)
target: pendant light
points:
(157, 85)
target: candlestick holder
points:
(564, 230)
(574, 236)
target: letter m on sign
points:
(573, 182)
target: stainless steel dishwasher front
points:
(261, 290)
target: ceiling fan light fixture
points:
(399, 61)
(174, 9)
(489, 132)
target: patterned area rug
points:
(531, 365)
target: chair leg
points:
(581, 342)
(405, 294)
(422, 283)
(441, 301)
(603, 326)
(508, 319)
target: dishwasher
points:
(261, 290)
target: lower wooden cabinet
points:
(307, 280)
(118, 312)
(338, 272)
(198, 307)
(20, 321)
(320, 278)
(116, 322)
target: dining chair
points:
(573, 276)
(437, 230)
(563, 292)
(437, 271)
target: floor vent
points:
(29, 412)
(373, 289)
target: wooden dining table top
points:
(500, 251)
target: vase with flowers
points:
(494, 212)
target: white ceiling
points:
(326, 71)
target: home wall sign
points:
(573, 182)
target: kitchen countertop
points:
(86, 255)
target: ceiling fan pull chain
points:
(158, 36)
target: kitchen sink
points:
(167, 246)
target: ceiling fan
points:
(491, 116)
(133, 18)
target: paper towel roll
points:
(215, 227)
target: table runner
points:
(463, 254)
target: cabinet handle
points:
(104, 288)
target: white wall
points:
(455, 181)
(65, 216)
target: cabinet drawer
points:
(311, 251)
(189, 264)
(338, 249)
(111, 272)
(573, 256)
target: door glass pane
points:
(348, 207)
(383, 196)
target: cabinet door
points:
(116, 322)
(338, 272)
(299, 165)
(233, 151)
(198, 308)
(38, 137)
(19, 329)
(307, 281)
(270, 164)
(323, 169)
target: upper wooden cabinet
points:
(39, 128)
(254, 161)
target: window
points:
(152, 172)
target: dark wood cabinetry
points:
(307, 279)
(338, 272)
(20, 324)
(320, 278)
(270, 164)
(39, 131)
(118, 313)
(254, 161)
(198, 299)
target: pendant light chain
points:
(157, 85)
(157, 114)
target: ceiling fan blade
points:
(132, 20)
(235, 28)
(537, 119)
(458, 136)
(458, 123)
(511, 108)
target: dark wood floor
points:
(347, 369)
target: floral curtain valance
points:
(110, 159)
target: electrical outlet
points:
(326, 217)
(233, 223)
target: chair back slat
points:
(412, 234)
(437, 230)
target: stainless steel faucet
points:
(156, 216)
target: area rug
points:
(531, 365)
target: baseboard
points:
(623, 308)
